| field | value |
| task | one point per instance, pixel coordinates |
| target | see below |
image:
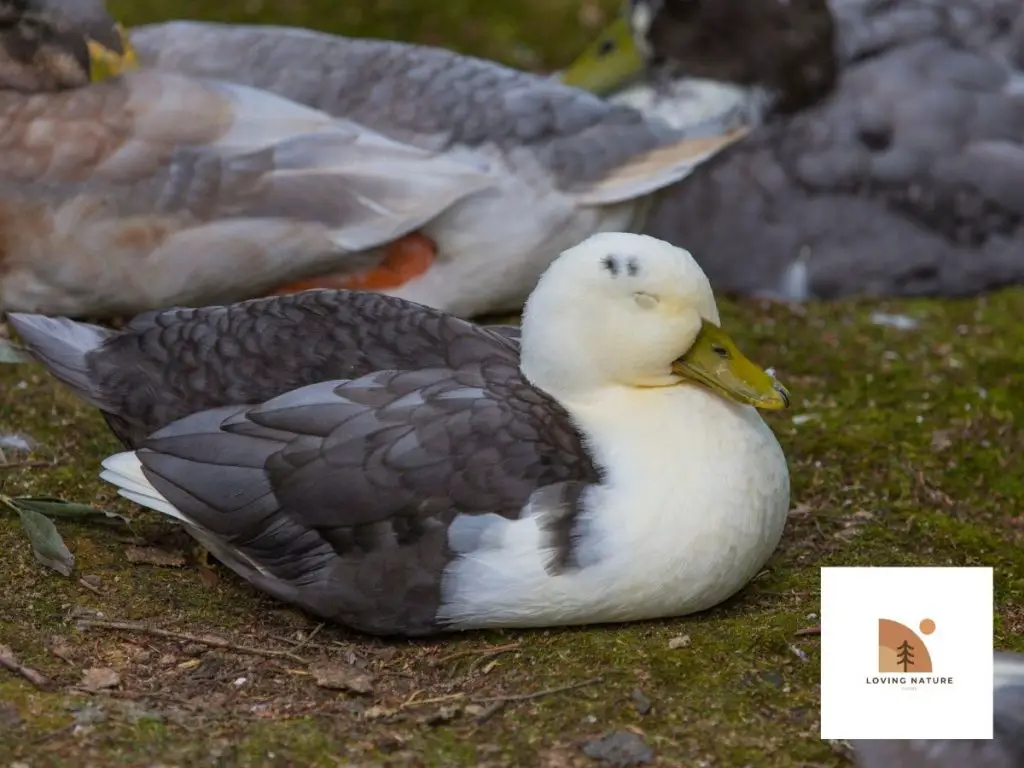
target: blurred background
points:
(538, 35)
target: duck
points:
(900, 179)
(1004, 750)
(443, 179)
(405, 472)
(687, 60)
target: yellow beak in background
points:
(716, 362)
(105, 63)
(609, 63)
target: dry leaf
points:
(342, 677)
(678, 642)
(154, 556)
(374, 713)
(99, 678)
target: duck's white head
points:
(625, 310)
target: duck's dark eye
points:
(606, 47)
(722, 352)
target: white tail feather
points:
(125, 471)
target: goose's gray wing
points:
(167, 364)
(339, 497)
(439, 100)
(1004, 750)
(908, 180)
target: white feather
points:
(124, 470)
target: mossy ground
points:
(903, 452)
(906, 459)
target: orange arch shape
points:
(891, 636)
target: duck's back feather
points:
(167, 364)
(431, 97)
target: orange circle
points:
(927, 626)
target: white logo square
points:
(906, 653)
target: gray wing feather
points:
(338, 496)
(167, 364)
(909, 180)
(64, 347)
(425, 96)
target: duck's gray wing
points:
(1004, 750)
(439, 100)
(908, 180)
(167, 364)
(341, 497)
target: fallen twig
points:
(211, 640)
(808, 631)
(537, 694)
(10, 662)
(309, 637)
(493, 650)
(11, 465)
(90, 587)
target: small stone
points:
(620, 749)
(640, 701)
(342, 677)
(100, 678)
(682, 641)
(9, 717)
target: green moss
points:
(903, 461)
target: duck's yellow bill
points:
(611, 62)
(716, 362)
(105, 63)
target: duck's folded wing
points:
(599, 152)
(214, 184)
(167, 364)
(339, 496)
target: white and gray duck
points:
(402, 471)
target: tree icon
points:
(904, 655)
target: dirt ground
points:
(899, 443)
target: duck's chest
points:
(691, 512)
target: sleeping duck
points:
(414, 171)
(405, 472)
(1004, 750)
(903, 177)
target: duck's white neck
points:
(662, 438)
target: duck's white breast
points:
(694, 503)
